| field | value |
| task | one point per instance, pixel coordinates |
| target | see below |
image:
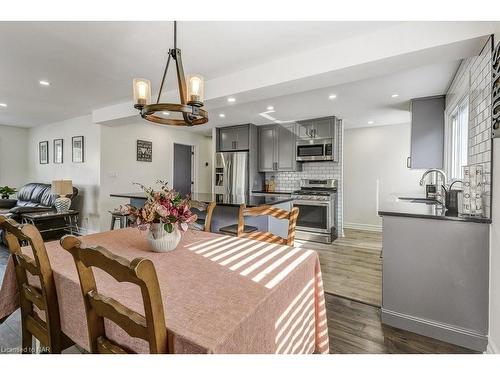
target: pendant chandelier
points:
(191, 92)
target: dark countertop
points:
(272, 192)
(222, 199)
(395, 207)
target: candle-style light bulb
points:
(195, 89)
(142, 91)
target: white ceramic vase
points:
(160, 241)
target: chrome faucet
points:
(422, 180)
(439, 193)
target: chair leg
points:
(123, 222)
(27, 341)
(113, 219)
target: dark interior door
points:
(182, 168)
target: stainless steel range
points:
(317, 203)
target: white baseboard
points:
(492, 347)
(370, 227)
(84, 231)
(441, 331)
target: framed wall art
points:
(43, 152)
(77, 149)
(58, 151)
(144, 151)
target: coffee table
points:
(70, 220)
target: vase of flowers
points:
(165, 215)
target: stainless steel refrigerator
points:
(232, 173)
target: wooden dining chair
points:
(275, 212)
(204, 224)
(41, 297)
(149, 327)
(208, 218)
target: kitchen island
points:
(227, 209)
(435, 272)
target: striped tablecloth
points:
(221, 294)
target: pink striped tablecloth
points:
(221, 294)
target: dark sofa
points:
(32, 197)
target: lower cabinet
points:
(277, 148)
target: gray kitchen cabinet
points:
(317, 128)
(435, 279)
(233, 138)
(286, 147)
(427, 133)
(267, 152)
(277, 148)
(305, 129)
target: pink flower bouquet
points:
(165, 206)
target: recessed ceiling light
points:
(166, 113)
(370, 122)
(222, 115)
(332, 96)
(231, 100)
(44, 83)
(270, 108)
(3, 105)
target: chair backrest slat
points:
(130, 321)
(275, 212)
(141, 272)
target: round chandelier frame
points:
(191, 110)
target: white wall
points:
(13, 156)
(119, 167)
(494, 334)
(374, 168)
(85, 176)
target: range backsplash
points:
(289, 181)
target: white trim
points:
(370, 227)
(438, 330)
(492, 347)
(82, 231)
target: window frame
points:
(449, 137)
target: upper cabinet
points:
(317, 128)
(277, 148)
(427, 133)
(233, 138)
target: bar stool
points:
(121, 217)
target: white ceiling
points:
(92, 64)
(356, 102)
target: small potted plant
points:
(6, 192)
(166, 214)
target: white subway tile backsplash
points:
(475, 72)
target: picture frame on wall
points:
(144, 151)
(43, 152)
(77, 149)
(58, 151)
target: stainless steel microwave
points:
(315, 150)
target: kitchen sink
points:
(420, 200)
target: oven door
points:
(314, 216)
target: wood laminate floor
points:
(354, 327)
(351, 265)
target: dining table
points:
(221, 294)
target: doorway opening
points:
(183, 168)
